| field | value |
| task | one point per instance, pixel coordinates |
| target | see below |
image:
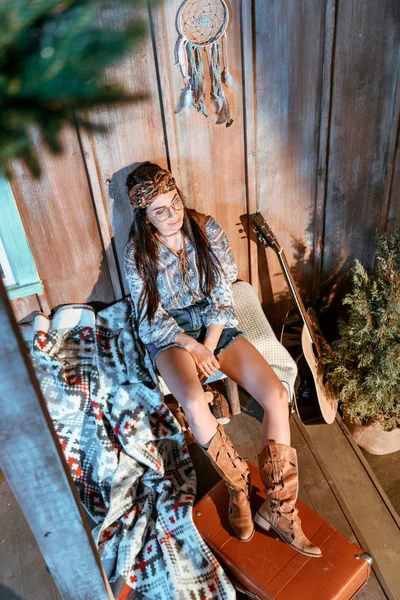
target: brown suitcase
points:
(267, 568)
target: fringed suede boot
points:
(235, 472)
(279, 474)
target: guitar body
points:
(315, 400)
(326, 402)
(306, 402)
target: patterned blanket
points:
(126, 453)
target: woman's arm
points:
(163, 328)
(220, 303)
(212, 336)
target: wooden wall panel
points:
(60, 223)
(312, 146)
(135, 135)
(289, 42)
(363, 97)
(207, 158)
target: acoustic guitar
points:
(316, 401)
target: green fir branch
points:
(364, 364)
(52, 58)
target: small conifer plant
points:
(364, 365)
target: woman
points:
(180, 272)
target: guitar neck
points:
(295, 294)
(268, 238)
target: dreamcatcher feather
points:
(202, 29)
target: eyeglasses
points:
(164, 213)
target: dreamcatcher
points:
(202, 27)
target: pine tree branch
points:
(52, 60)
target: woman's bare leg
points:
(242, 362)
(179, 372)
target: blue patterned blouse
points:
(176, 293)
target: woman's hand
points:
(207, 364)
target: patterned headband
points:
(144, 193)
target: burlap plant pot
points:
(373, 438)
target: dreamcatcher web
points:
(203, 22)
(202, 30)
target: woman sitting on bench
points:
(180, 268)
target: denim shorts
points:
(189, 318)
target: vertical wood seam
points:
(158, 78)
(325, 120)
(249, 116)
(102, 221)
(166, 82)
(245, 134)
(43, 302)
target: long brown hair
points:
(146, 252)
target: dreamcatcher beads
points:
(202, 25)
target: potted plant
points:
(364, 365)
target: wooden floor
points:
(23, 573)
(334, 483)
(387, 470)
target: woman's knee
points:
(276, 398)
(194, 403)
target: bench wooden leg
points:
(233, 396)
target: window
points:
(17, 267)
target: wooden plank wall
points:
(289, 43)
(314, 145)
(363, 126)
